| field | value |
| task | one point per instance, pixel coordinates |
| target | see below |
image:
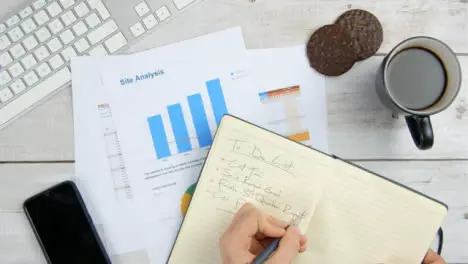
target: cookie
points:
(331, 50)
(365, 30)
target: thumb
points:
(433, 258)
(289, 246)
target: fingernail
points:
(295, 230)
(283, 223)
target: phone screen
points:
(63, 227)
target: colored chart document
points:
(112, 195)
(289, 119)
(292, 95)
(166, 110)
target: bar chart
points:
(180, 122)
(285, 114)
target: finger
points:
(256, 247)
(245, 208)
(277, 222)
(242, 220)
(269, 227)
(433, 258)
(303, 243)
(251, 222)
(288, 248)
(266, 242)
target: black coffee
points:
(416, 78)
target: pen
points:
(266, 254)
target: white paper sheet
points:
(166, 112)
(100, 168)
(293, 94)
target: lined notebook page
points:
(248, 164)
(364, 219)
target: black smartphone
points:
(63, 226)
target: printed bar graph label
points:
(218, 103)
(161, 145)
(200, 121)
(179, 128)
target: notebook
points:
(350, 215)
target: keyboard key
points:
(5, 95)
(81, 45)
(43, 70)
(67, 37)
(30, 78)
(28, 26)
(67, 3)
(17, 51)
(54, 45)
(54, 9)
(150, 21)
(92, 20)
(39, 4)
(2, 28)
(28, 62)
(26, 12)
(137, 29)
(18, 86)
(43, 34)
(182, 3)
(16, 70)
(80, 28)
(102, 32)
(56, 62)
(15, 34)
(55, 26)
(5, 60)
(40, 91)
(41, 18)
(163, 13)
(4, 77)
(98, 51)
(92, 3)
(68, 53)
(13, 21)
(81, 10)
(116, 42)
(142, 9)
(4, 42)
(102, 10)
(41, 53)
(30, 43)
(68, 18)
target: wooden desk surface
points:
(37, 150)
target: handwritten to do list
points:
(247, 166)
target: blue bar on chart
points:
(179, 128)
(161, 145)
(218, 103)
(200, 120)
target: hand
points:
(251, 231)
(433, 258)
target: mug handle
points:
(420, 128)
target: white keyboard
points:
(38, 41)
